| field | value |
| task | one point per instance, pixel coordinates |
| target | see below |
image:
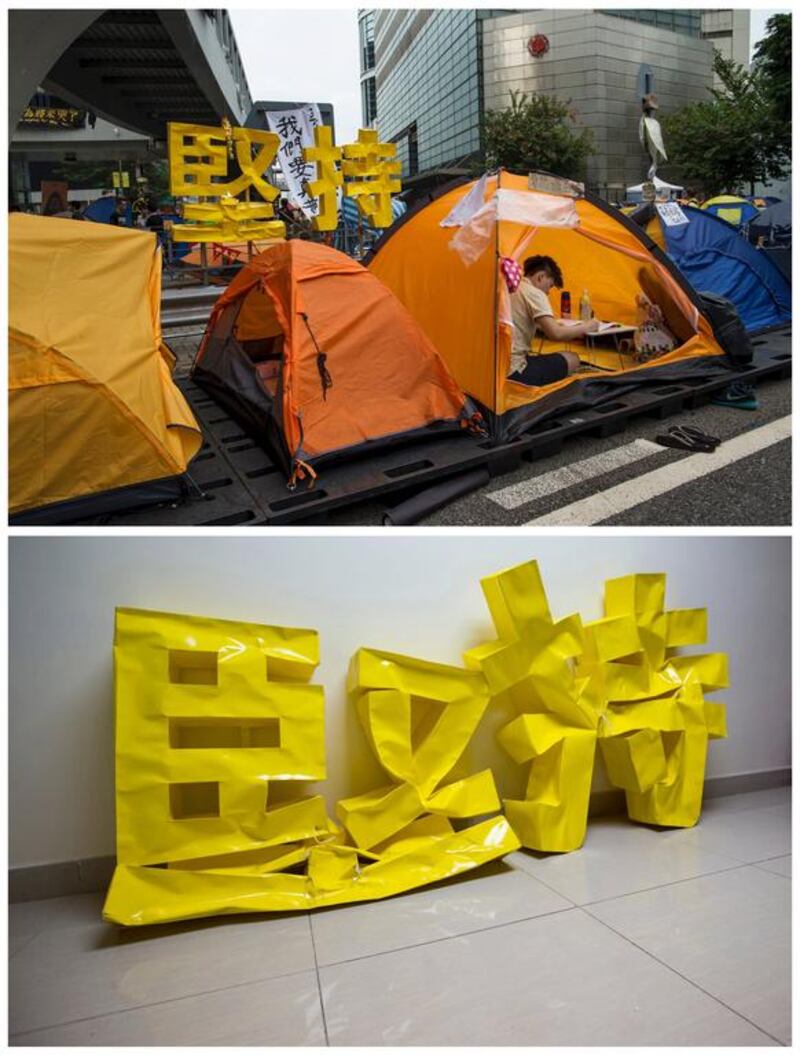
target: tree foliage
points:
(157, 175)
(732, 140)
(83, 174)
(772, 64)
(536, 133)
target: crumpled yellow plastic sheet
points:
(656, 721)
(214, 717)
(615, 681)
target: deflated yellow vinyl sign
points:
(615, 681)
(214, 718)
(218, 723)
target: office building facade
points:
(366, 42)
(729, 32)
(428, 79)
(602, 65)
(437, 71)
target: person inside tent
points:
(532, 315)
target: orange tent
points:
(449, 277)
(315, 357)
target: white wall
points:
(418, 595)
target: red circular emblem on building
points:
(538, 45)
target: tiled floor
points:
(642, 937)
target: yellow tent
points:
(92, 404)
(449, 277)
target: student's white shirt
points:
(528, 304)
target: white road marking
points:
(615, 500)
(519, 494)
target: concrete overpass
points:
(137, 69)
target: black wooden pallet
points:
(234, 482)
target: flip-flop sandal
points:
(696, 434)
(686, 438)
(682, 444)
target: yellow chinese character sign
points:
(616, 681)
(198, 162)
(214, 716)
(217, 722)
(199, 157)
(657, 720)
(329, 179)
(63, 117)
(371, 171)
(556, 729)
(419, 718)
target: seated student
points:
(532, 314)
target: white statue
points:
(650, 134)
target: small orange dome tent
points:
(95, 420)
(443, 261)
(315, 357)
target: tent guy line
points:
(519, 494)
(630, 493)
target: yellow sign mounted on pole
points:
(329, 178)
(373, 176)
(199, 157)
(371, 171)
(198, 167)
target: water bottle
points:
(566, 305)
(586, 306)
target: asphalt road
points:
(752, 490)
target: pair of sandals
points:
(688, 438)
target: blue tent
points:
(350, 214)
(714, 257)
(179, 249)
(774, 224)
(100, 210)
(770, 199)
(347, 236)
